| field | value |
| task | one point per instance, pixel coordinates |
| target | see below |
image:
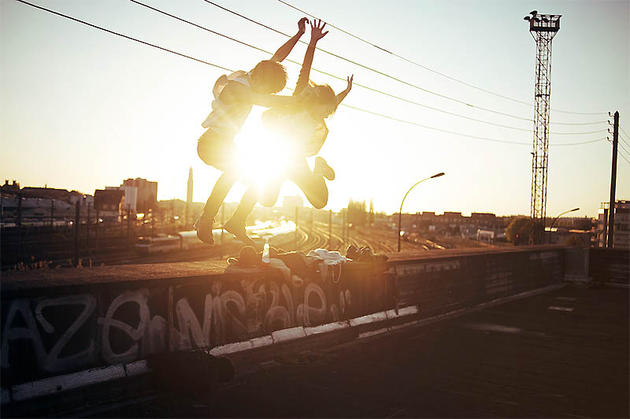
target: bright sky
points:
(82, 109)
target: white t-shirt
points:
(226, 118)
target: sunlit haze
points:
(82, 109)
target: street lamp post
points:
(556, 219)
(403, 201)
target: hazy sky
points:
(82, 109)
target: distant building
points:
(621, 232)
(147, 193)
(52, 193)
(109, 203)
(10, 187)
(485, 219)
(452, 217)
(131, 196)
(33, 205)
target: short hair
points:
(269, 76)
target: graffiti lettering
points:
(52, 362)
(139, 298)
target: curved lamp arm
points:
(405, 197)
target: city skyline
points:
(130, 111)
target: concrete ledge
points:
(231, 348)
(136, 368)
(59, 383)
(370, 318)
(404, 311)
(288, 334)
(261, 341)
(324, 328)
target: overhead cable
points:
(124, 36)
(618, 152)
(382, 73)
(430, 69)
(495, 140)
(357, 84)
(231, 70)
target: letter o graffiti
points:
(139, 297)
(311, 314)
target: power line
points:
(341, 78)
(430, 69)
(495, 140)
(622, 144)
(618, 153)
(231, 70)
(382, 73)
(124, 36)
(622, 130)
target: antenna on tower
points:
(543, 28)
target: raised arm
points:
(284, 50)
(316, 34)
(343, 94)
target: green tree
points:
(357, 215)
(371, 213)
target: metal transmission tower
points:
(543, 28)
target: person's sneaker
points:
(239, 232)
(204, 230)
(322, 168)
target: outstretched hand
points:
(302, 25)
(349, 80)
(316, 30)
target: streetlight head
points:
(533, 12)
(438, 175)
(527, 18)
(575, 209)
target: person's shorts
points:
(217, 150)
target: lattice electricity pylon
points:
(543, 28)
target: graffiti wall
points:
(56, 330)
(112, 324)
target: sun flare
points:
(263, 157)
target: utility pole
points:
(18, 222)
(613, 182)
(542, 28)
(77, 219)
(87, 228)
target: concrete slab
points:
(108, 274)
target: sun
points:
(263, 157)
